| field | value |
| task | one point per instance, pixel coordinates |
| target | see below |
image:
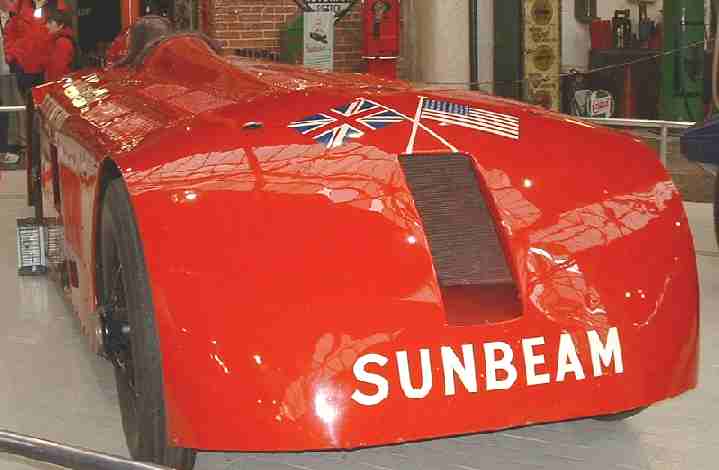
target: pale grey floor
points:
(52, 386)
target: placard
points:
(319, 40)
(334, 6)
(542, 59)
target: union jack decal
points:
(350, 121)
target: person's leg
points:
(25, 82)
(4, 126)
(11, 97)
(8, 153)
(8, 122)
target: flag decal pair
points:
(352, 121)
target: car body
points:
(298, 300)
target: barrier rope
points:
(588, 72)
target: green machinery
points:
(292, 40)
(508, 48)
(683, 71)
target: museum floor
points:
(52, 386)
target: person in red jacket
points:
(26, 44)
(62, 45)
(27, 39)
(9, 154)
(16, 27)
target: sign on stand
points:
(319, 40)
(335, 6)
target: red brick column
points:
(256, 24)
(205, 15)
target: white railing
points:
(663, 126)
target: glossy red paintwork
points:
(118, 49)
(276, 262)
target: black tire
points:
(621, 416)
(34, 162)
(123, 285)
(716, 207)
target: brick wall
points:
(348, 42)
(256, 24)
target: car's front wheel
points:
(131, 339)
(716, 207)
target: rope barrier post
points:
(664, 145)
(66, 456)
(11, 109)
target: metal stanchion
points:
(66, 456)
(12, 109)
(664, 145)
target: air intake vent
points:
(461, 231)
(477, 284)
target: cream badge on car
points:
(72, 92)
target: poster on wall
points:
(319, 40)
(328, 5)
(542, 52)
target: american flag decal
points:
(473, 118)
(350, 121)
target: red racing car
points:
(276, 258)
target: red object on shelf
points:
(386, 68)
(381, 37)
(601, 32)
(655, 41)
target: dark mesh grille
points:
(457, 222)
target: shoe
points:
(9, 158)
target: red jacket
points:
(26, 39)
(61, 55)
